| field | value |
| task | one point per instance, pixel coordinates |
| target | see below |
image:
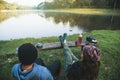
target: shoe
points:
(64, 37)
(61, 40)
(39, 45)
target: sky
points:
(27, 2)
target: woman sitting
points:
(87, 68)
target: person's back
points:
(27, 69)
(37, 72)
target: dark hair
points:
(75, 71)
(27, 53)
(89, 38)
(83, 71)
(90, 70)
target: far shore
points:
(86, 11)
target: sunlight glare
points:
(27, 2)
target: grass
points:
(89, 11)
(108, 43)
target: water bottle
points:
(79, 42)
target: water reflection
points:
(33, 25)
(6, 14)
(87, 22)
(37, 24)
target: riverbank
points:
(88, 11)
(108, 43)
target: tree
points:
(83, 3)
(2, 4)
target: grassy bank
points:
(89, 11)
(108, 43)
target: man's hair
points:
(27, 53)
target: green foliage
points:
(82, 4)
(2, 4)
(7, 6)
(110, 52)
(108, 41)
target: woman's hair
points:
(88, 68)
(83, 71)
(75, 71)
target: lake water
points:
(37, 24)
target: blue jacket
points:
(37, 72)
